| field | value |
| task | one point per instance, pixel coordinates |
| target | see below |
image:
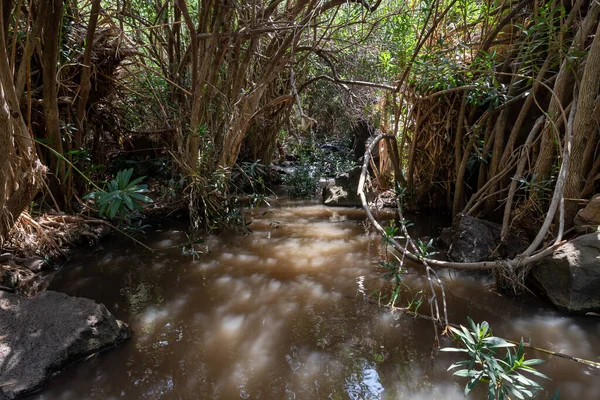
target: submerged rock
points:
(588, 218)
(44, 334)
(473, 240)
(341, 192)
(570, 276)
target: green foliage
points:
(396, 271)
(424, 249)
(221, 207)
(192, 247)
(533, 184)
(434, 72)
(302, 182)
(390, 232)
(315, 163)
(122, 199)
(416, 302)
(249, 177)
(537, 189)
(504, 376)
(218, 199)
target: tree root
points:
(519, 262)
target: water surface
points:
(290, 312)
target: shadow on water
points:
(283, 314)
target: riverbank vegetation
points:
(490, 106)
(114, 109)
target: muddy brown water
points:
(284, 313)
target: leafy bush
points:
(314, 164)
(302, 182)
(503, 376)
(122, 197)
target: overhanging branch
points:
(519, 261)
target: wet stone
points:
(44, 334)
(342, 191)
(588, 218)
(570, 276)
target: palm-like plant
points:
(122, 197)
(504, 376)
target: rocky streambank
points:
(569, 277)
(44, 334)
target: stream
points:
(290, 312)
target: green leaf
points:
(534, 372)
(491, 392)
(516, 393)
(533, 361)
(467, 335)
(454, 349)
(502, 345)
(472, 383)
(141, 197)
(136, 181)
(458, 364)
(128, 202)
(113, 208)
(466, 373)
(123, 178)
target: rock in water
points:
(570, 276)
(473, 240)
(44, 334)
(588, 218)
(342, 191)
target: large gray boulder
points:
(341, 192)
(44, 334)
(588, 218)
(570, 276)
(473, 240)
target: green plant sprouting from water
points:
(122, 198)
(416, 302)
(192, 247)
(504, 376)
(390, 232)
(396, 271)
(424, 249)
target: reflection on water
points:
(364, 384)
(283, 314)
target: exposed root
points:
(517, 265)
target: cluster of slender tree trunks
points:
(237, 72)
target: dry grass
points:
(50, 235)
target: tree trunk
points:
(584, 130)
(499, 135)
(50, 100)
(488, 141)
(20, 170)
(84, 85)
(562, 92)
